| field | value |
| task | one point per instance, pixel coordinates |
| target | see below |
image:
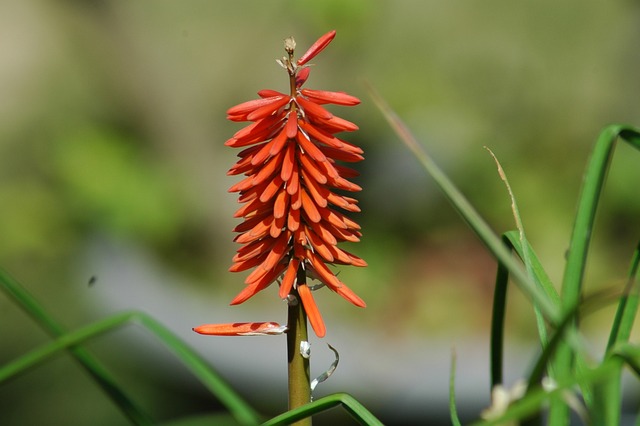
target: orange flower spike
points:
(290, 165)
(317, 47)
(241, 329)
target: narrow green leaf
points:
(497, 324)
(593, 183)
(453, 411)
(346, 401)
(608, 395)
(243, 413)
(97, 371)
(468, 213)
(628, 306)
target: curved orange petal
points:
(312, 310)
(289, 278)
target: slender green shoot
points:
(455, 420)
(468, 213)
(524, 244)
(609, 393)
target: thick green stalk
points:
(299, 379)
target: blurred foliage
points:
(112, 123)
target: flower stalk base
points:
(298, 365)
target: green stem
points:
(579, 245)
(299, 381)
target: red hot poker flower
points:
(292, 192)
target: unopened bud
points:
(289, 45)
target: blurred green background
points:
(112, 164)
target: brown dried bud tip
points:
(289, 45)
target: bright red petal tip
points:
(317, 47)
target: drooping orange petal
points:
(338, 256)
(310, 148)
(268, 169)
(279, 142)
(254, 249)
(291, 128)
(335, 124)
(293, 184)
(271, 189)
(277, 226)
(259, 131)
(323, 232)
(260, 279)
(263, 154)
(289, 278)
(288, 162)
(259, 284)
(342, 183)
(246, 264)
(312, 168)
(317, 191)
(355, 260)
(293, 221)
(319, 245)
(341, 234)
(276, 254)
(269, 109)
(312, 109)
(346, 172)
(346, 203)
(244, 184)
(324, 273)
(312, 310)
(309, 207)
(250, 223)
(243, 211)
(296, 199)
(280, 205)
(349, 295)
(320, 136)
(257, 232)
(341, 154)
(328, 170)
(241, 111)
